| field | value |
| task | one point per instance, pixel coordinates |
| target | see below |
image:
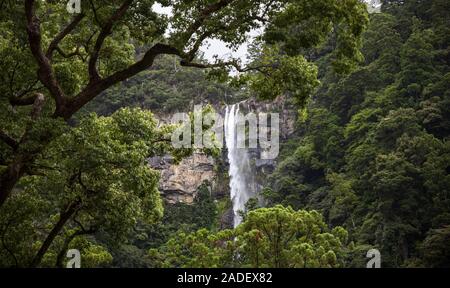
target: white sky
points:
(213, 47)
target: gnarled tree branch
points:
(96, 87)
(67, 241)
(45, 71)
(55, 42)
(106, 30)
(204, 15)
(71, 54)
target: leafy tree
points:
(386, 125)
(78, 57)
(434, 248)
(93, 179)
(268, 237)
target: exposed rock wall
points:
(179, 183)
(287, 113)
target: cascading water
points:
(242, 184)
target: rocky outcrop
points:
(226, 219)
(286, 112)
(179, 183)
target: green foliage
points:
(435, 248)
(200, 214)
(268, 237)
(98, 167)
(290, 70)
(165, 88)
(372, 154)
(298, 26)
(178, 217)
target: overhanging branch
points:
(232, 63)
(71, 54)
(96, 87)
(106, 30)
(55, 42)
(204, 15)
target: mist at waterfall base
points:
(242, 179)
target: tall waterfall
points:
(242, 184)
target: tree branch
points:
(68, 240)
(11, 142)
(64, 216)
(106, 30)
(96, 87)
(69, 55)
(94, 11)
(204, 15)
(17, 101)
(234, 63)
(45, 72)
(6, 246)
(55, 42)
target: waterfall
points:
(242, 184)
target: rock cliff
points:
(179, 183)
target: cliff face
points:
(179, 183)
(287, 113)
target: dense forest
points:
(367, 165)
(373, 152)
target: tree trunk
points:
(10, 177)
(17, 168)
(62, 253)
(63, 218)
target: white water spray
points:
(242, 184)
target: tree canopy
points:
(55, 62)
(268, 237)
(367, 165)
(374, 142)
